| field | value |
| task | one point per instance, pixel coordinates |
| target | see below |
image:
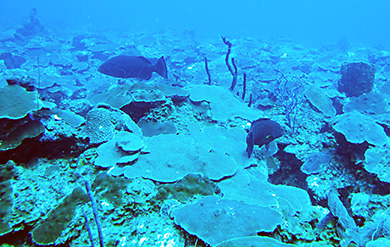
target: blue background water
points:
(361, 21)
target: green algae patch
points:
(187, 187)
(110, 188)
(51, 229)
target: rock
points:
(110, 189)
(6, 203)
(12, 61)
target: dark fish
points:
(262, 132)
(133, 67)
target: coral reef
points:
(166, 158)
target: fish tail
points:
(250, 142)
(161, 68)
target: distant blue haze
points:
(307, 21)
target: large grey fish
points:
(133, 67)
(262, 132)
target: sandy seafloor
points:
(166, 158)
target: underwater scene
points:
(214, 123)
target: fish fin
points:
(161, 68)
(250, 142)
(144, 59)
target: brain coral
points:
(104, 120)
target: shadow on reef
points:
(33, 148)
(22, 238)
(18, 238)
(352, 155)
(290, 171)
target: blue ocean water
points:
(194, 123)
(306, 21)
